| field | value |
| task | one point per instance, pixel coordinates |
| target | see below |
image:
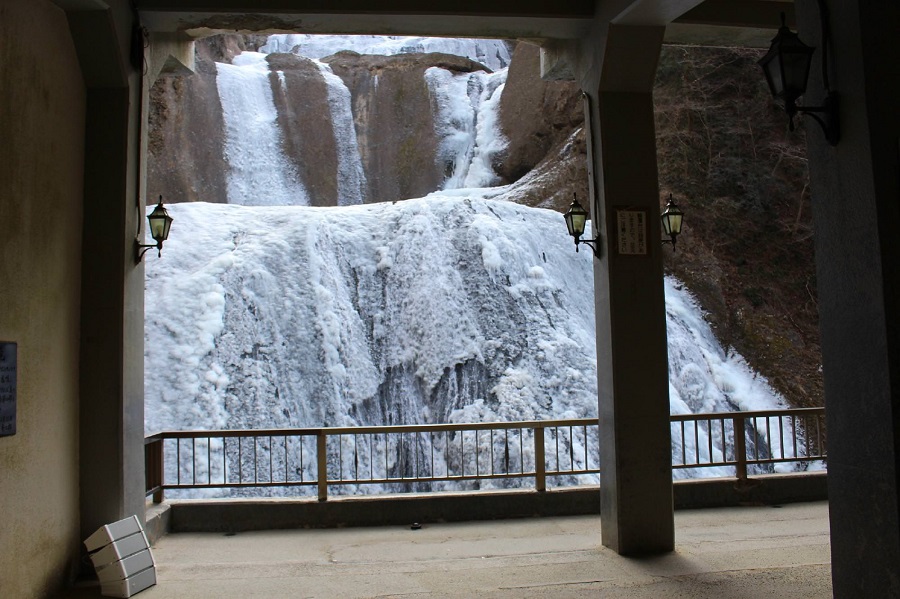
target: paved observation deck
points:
(721, 553)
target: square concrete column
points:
(111, 366)
(856, 209)
(635, 438)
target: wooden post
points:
(540, 464)
(153, 469)
(740, 450)
(322, 465)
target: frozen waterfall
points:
(351, 177)
(466, 118)
(466, 121)
(259, 174)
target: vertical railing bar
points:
(506, 451)
(794, 434)
(477, 466)
(240, 459)
(255, 460)
(178, 460)
(818, 421)
(271, 471)
(556, 442)
(709, 438)
(683, 445)
(387, 469)
(371, 458)
(808, 447)
(194, 460)
(356, 456)
(340, 439)
(724, 442)
(286, 459)
(492, 453)
(302, 474)
(521, 451)
(225, 460)
(584, 434)
(755, 438)
(571, 450)
(819, 445)
(208, 460)
(769, 436)
(781, 435)
(417, 453)
(431, 450)
(447, 452)
(462, 452)
(697, 442)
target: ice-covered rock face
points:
(394, 313)
(439, 309)
(493, 54)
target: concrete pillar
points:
(111, 365)
(856, 203)
(635, 439)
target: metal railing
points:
(770, 437)
(436, 456)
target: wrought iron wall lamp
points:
(160, 223)
(671, 218)
(786, 67)
(576, 219)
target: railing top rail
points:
(424, 428)
(753, 414)
(363, 430)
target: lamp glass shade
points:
(786, 65)
(160, 223)
(576, 217)
(671, 219)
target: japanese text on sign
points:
(632, 232)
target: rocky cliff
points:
(724, 153)
(409, 138)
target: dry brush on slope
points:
(725, 153)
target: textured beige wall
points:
(41, 160)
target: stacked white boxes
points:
(122, 558)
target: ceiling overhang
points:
(716, 22)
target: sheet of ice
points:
(296, 316)
(351, 176)
(467, 111)
(492, 53)
(258, 172)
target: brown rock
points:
(304, 118)
(543, 122)
(394, 118)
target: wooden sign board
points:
(631, 231)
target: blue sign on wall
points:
(7, 389)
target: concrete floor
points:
(724, 553)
